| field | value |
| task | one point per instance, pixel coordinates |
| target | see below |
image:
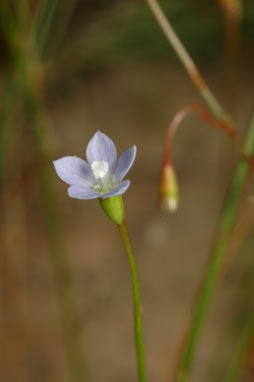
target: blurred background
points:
(69, 69)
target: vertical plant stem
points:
(233, 13)
(207, 289)
(187, 62)
(241, 351)
(231, 203)
(13, 227)
(65, 11)
(46, 14)
(13, 222)
(137, 304)
(24, 61)
(13, 283)
(5, 116)
(52, 223)
(51, 12)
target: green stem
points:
(5, 118)
(65, 12)
(64, 282)
(51, 12)
(216, 260)
(137, 305)
(42, 27)
(241, 351)
(23, 83)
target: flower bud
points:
(169, 197)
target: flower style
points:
(101, 176)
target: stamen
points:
(97, 187)
(100, 169)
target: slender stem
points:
(241, 351)
(5, 117)
(231, 203)
(47, 11)
(207, 117)
(187, 62)
(208, 285)
(51, 12)
(24, 61)
(137, 305)
(230, 130)
(68, 303)
(13, 229)
(65, 10)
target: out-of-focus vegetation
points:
(100, 34)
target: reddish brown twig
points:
(227, 127)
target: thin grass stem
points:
(46, 14)
(187, 62)
(5, 115)
(53, 229)
(24, 62)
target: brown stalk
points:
(228, 128)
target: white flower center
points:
(100, 169)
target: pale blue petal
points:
(118, 190)
(101, 148)
(73, 170)
(82, 192)
(125, 162)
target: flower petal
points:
(101, 148)
(118, 190)
(73, 170)
(81, 192)
(125, 162)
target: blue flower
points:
(102, 176)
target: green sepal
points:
(113, 207)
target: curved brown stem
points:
(227, 127)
